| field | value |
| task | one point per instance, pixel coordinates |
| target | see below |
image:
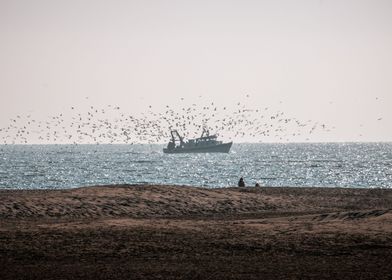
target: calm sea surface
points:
(314, 165)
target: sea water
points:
(362, 165)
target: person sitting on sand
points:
(241, 182)
(257, 185)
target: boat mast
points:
(206, 132)
(175, 133)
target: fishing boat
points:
(206, 143)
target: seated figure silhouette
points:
(241, 182)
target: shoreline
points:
(189, 186)
(182, 232)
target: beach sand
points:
(179, 232)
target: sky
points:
(327, 61)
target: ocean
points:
(358, 165)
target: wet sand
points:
(177, 232)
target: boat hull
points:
(221, 148)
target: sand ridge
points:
(181, 201)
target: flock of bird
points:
(112, 125)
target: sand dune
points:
(179, 232)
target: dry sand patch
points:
(178, 232)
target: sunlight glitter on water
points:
(313, 165)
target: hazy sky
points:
(329, 61)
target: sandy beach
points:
(179, 232)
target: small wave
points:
(314, 160)
(33, 175)
(142, 182)
(66, 152)
(142, 161)
(325, 160)
(55, 180)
